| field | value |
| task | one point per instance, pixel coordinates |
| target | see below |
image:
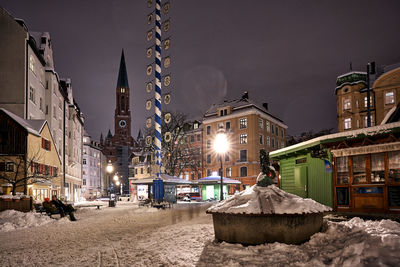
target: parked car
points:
(192, 196)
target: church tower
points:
(122, 117)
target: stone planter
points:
(255, 229)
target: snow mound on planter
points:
(267, 200)
(12, 220)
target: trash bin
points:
(111, 203)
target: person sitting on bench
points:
(64, 209)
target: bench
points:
(40, 209)
(145, 202)
(89, 206)
(161, 205)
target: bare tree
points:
(21, 170)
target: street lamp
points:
(221, 146)
(109, 170)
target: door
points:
(300, 181)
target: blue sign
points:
(328, 166)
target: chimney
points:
(245, 95)
(265, 105)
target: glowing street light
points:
(115, 178)
(221, 146)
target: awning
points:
(216, 180)
(168, 179)
(395, 146)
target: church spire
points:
(122, 75)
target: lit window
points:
(267, 125)
(347, 123)
(268, 141)
(243, 139)
(228, 172)
(243, 123)
(366, 102)
(261, 123)
(32, 63)
(346, 103)
(389, 98)
(122, 90)
(366, 121)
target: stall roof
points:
(168, 179)
(330, 138)
(217, 179)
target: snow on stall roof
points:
(347, 134)
(267, 200)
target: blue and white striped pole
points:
(157, 99)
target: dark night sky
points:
(286, 53)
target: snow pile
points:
(352, 243)
(267, 200)
(12, 220)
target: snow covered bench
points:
(89, 206)
(40, 209)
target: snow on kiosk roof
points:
(216, 180)
(165, 177)
(267, 200)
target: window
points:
(342, 167)
(394, 166)
(243, 155)
(228, 172)
(47, 109)
(243, 123)
(46, 144)
(208, 159)
(243, 171)
(32, 94)
(208, 130)
(208, 144)
(84, 181)
(366, 121)
(122, 90)
(346, 104)
(221, 113)
(227, 125)
(226, 157)
(195, 125)
(198, 137)
(267, 125)
(243, 139)
(277, 131)
(261, 139)
(141, 170)
(272, 128)
(347, 123)
(84, 161)
(359, 171)
(32, 64)
(273, 143)
(41, 104)
(9, 167)
(389, 97)
(268, 141)
(261, 123)
(377, 168)
(192, 138)
(366, 101)
(122, 103)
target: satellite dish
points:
(167, 99)
(148, 104)
(149, 87)
(149, 70)
(167, 62)
(167, 80)
(148, 122)
(167, 117)
(167, 137)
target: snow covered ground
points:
(183, 236)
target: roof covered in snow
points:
(217, 179)
(32, 126)
(267, 200)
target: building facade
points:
(93, 169)
(32, 89)
(119, 147)
(351, 97)
(250, 128)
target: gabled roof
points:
(122, 75)
(32, 126)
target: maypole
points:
(157, 95)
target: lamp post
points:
(221, 146)
(116, 181)
(109, 170)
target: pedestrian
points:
(64, 209)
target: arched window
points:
(243, 171)
(122, 103)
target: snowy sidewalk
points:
(183, 236)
